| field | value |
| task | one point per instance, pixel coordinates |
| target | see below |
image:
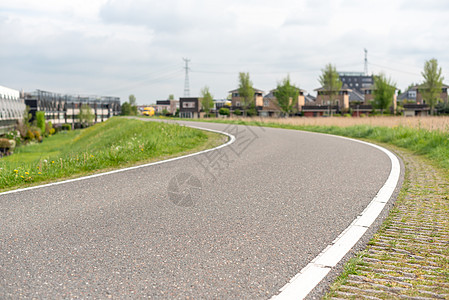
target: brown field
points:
(440, 123)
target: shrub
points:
(165, 112)
(37, 135)
(251, 112)
(4, 143)
(347, 115)
(29, 135)
(66, 127)
(237, 112)
(40, 120)
(48, 129)
(224, 111)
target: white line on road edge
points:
(310, 276)
(231, 140)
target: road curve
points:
(238, 222)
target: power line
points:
(395, 70)
(146, 82)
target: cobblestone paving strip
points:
(409, 257)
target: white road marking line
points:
(231, 140)
(310, 276)
(304, 282)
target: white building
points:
(12, 108)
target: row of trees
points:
(384, 88)
(287, 93)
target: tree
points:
(330, 81)
(384, 89)
(40, 121)
(128, 109)
(125, 109)
(207, 101)
(132, 100)
(246, 90)
(171, 97)
(433, 82)
(286, 95)
(86, 116)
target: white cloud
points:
(136, 46)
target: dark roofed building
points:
(355, 96)
(189, 107)
(356, 81)
(408, 96)
(309, 99)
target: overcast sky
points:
(123, 47)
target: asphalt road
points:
(238, 222)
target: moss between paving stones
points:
(409, 256)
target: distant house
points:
(270, 104)
(170, 105)
(341, 100)
(413, 109)
(189, 107)
(419, 93)
(221, 103)
(309, 99)
(408, 96)
(355, 97)
(359, 97)
(237, 101)
(369, 97)
(414, 102)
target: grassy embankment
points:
(116, 143)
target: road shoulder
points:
(409, 256)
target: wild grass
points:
(117, 142)
(436, 123)
(432, 123)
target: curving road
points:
(238, 222)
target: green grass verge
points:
(119, 142)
